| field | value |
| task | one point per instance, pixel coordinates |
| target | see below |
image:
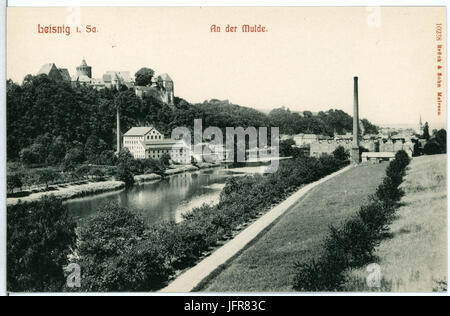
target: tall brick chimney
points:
(119, 142)
(356, 159)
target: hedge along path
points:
(190, 279)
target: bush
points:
(354, 243)
(41, 235)
(432, 147)
(341, 154)
(14, 181)
(28, 157)
(402, 158)
(116, 254)
(124, 174)
(377, 216)
(47, 176)
(287, 147)
(389, 192)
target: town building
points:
(162, 88)
(377, 157)
(147, 142)
(307, 139)
(115, 79)
(55, 73)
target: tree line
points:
(52, 122)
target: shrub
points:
(432, 147)
(28, 157)
(354, 243)
(124, 174)
(402, 158)
(116, 255)
(341, 154)
(40, 237)
(14, 181)
(47, 176)
(389, 192)
(318, 275)
(377, 217)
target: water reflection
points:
(163, 200)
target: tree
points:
(341, 154)
(47, 176)
(116, 255)
(165, 160)
(74, 156)
(369, 128)
(441, 138)
(155, 166)
(41, 235)
(98, 173)
(57, 151)
(108, 157)
(93, 148)
(286, 147)
(124, 174)
(426, 132)
(432, 148)
(14, 181)
(144, 77)
(125, 157)
(28, 157)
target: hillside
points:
(47, 117)
(415, 258)
(268, 264)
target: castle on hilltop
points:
(162, 88)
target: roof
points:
(165, 77)
(121, 75)
(82, 78)
(161, 142)
(164, 144)
(83, 63)
(378, 155)
(106, 78)
(65, 74)
(46, 69)
(139, 131)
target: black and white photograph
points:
(259, 150)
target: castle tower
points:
(356, 159)
(84, 69)
(166, 83)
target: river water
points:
(166, 199)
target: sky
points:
(305, 61)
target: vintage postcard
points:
(226, 150)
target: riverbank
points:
(268, 264)
(193, 278)
(170, 172)
(415, 258)
(73, 191)
(93, 188)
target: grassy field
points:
(268, 264)
(415, 258)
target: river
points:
(166, 199)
